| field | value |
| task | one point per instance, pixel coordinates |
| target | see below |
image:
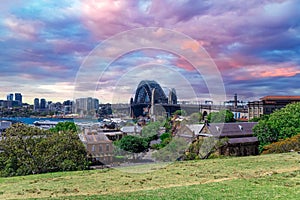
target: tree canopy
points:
(195, 118)
(133, 144)
(30, 150)
(65, 126)
(281, 124)
(221, 117)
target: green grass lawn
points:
(275, 176)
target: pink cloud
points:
(266, 71)
(184, 64)
(22, 29)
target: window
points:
(100, 148)
(93, 148)
(107, 147)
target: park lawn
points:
(254, 177)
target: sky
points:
(68, 49)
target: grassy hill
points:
(255, 177)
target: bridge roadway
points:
(168, 109)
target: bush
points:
(30, 150)
(281, 124)
(283, 146)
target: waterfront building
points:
(267, 105)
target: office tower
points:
(43, 104)
(10, 97)
(36, 104)
(18, 98)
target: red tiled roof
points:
(280, 98)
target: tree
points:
(195, 118)
(30, 150)
(133, 144)
(281, 124)
(221, 117)
(180, 112)
(65, 126)
(171, 152)
(151, 129)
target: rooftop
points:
(268, 98)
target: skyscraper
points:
(43, 104)
(36, 104)
(18, 98)
(10, 97)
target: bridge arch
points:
(144, 93)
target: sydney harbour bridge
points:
(150, 99)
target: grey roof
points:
(243, 140)
(243, 129)
(93, 138)
(196, 128)
(131, 129)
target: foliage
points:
(221, 117)
(180, 112)
(151, 129)
(165, 140)
(133, 144)
(195, 118)
(165, 136)
(283, 146)
(30, 150)
(203, 147)
(65, 126)
(257, 119)
(281, 124)
(171, 152)
(168, 124)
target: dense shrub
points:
(30, 150)
(281, 124)
(283, 146)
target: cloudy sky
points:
(64, 49)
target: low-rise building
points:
(240, 139)
(267, 105)
(188, 132)
(98, 146)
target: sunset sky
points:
(46, 46)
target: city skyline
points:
(255, 46)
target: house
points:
(241, 141)
(99, 147)
(188, 131)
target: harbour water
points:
(31, 120)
